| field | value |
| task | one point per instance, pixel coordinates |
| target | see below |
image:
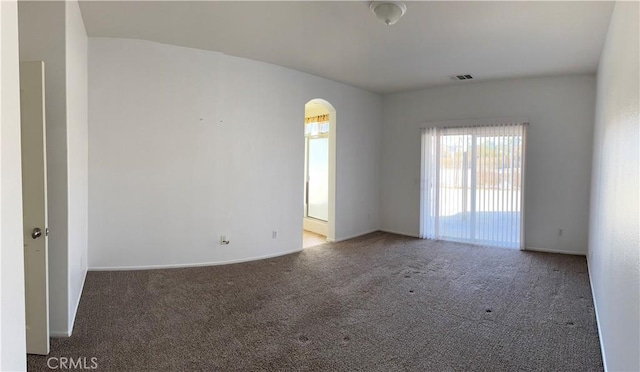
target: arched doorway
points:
(319, 173)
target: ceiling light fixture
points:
(388, 12)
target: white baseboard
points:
(536, 249)
(595, 307)
(316, 226)
(59, 334)
(400, 233)
(341, 239)
(197, 264)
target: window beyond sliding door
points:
(472, 181)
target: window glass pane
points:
(318, 178)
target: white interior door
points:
(34, 204)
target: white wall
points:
(187, 145)
(614, 241)
(560, 110)
(53, 32)
(77, 152)
(12, 321)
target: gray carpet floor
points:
(381, 302)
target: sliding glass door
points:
(318, 178)
(472, 184)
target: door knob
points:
(36, 233)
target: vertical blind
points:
(473, 184)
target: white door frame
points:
(331, 223)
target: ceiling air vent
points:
(461, 77)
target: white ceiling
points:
(343, 41)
